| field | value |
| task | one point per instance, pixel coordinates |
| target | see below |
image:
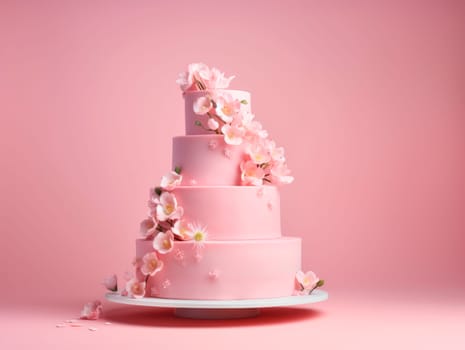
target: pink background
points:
(367, 98)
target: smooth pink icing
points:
(191, 117)
(232, 212)
(207, 160)
(225, 270)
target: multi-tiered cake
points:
(213, 230)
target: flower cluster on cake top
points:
(265, 162)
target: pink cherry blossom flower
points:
(202, 105)
(92, 310)
(185, 81)
(217, 80)
(227, 107)
(213, 124)
(280, 174)
(200, 72)
(170, 181)
(163, 242)
(152, 207)
(151, 264)
(232, 134)
(307, 281)
(251, 174)
(277, 153)
(135, 288)
(148, 227)
(253, 129)
(168, 207)
(258, 153)
(111, 283)
(181, 230)
(194, 78)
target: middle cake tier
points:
(232, 212)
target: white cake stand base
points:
(219, 309)
(216, 314)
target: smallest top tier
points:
(191, 96)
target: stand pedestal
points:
(216, 314)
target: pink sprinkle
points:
(227, 153)
(179, 255)
(260, 192)
(193, 182)
(60, 325)
(107, 323)
(197, 257)
(213, 274)
(76, 325)
(166, 284)
(93, 329)
(270, 205)
(212, 145)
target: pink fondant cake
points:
(213, 230)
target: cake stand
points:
(219, 309)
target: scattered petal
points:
(92, 310)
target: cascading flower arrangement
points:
(163, 226)
(265, 163)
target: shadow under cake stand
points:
(219, 309)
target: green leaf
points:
(320, 283)
(244, 102)
(198, 123)
(177, 170)
(158, 190)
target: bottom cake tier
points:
(225, 270)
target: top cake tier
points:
(192, 119)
